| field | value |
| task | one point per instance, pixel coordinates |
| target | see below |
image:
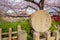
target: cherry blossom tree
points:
(22, 7)
(53, 4)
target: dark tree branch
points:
(57, 7)
(31, 7)
(56, 11)
(38, 4)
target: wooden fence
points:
(36, 36)
(17, 35)
(22, 35)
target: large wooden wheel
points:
(41, 21)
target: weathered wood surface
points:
(41, 21)
(10, 33)
(36, 36)
(0, 34)
(22, 35)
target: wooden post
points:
(0, 34)
(57, 35)
(22, 35)
(36, 36)
(18, 30)
(10, 33)
(52, 38)
(48, 35)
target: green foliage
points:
(55, 23)
(25, 25)
(52, 28)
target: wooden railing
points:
(22, 35)
(19, 34)
(36, 36)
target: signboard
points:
(41, 21)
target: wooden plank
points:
(14, 37)
(10, 33)
(14, 32)
(48, 35)
(36, 36)
(18, 30)
(6, 38)
(5, 33)
(0, 34)
(52, 38)
(57, 35)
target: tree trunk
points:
(42, 4)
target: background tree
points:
(41, 5)
(17, 7)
